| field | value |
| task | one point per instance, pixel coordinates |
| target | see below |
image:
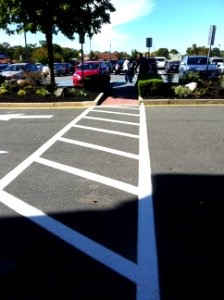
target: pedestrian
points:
(142, 65)
(125, 69)
(131, 70)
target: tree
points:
(162, 52)
(52, 16)
(174, 51)
(215, 52)
(195, 50)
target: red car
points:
(93, 70)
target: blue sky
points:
(172, 24)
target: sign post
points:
(211, 40)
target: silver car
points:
(18, 71)
(198, 63)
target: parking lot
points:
(77, 213)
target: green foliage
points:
(195, 50)
(162, 52)
(3, 91)
(42, 92)
(182, 91)
(81, 92)
(52, 16)
(150, 87)
(191, 77)
(21, 92)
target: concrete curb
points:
(180, 101)
(53, 104)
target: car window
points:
(89, 66)
(197, 60)
(15, 68)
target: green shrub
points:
(82, 93)
(191, 77)
(3, 91)
(21, 92)
(150, 87)
(42, 92)
(182, 91)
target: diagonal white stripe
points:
(100, 253)
(112, 121)
(100, 148)
(115, 112)
(107, 131)
(91, 176)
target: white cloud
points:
(126, 11)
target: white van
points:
(161, 62)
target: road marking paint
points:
(107, 131)
(148, 281)
(8, 178)
(101, 148)
(129, 188)
(8, 117)
(115, 112)
(3, 152)
(112, 121)
(98, 252)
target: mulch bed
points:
(14, 98)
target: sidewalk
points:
(122, 94)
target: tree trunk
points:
(49, 39)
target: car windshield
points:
(93, 66)
(15, 68)
(197, 60)
(160, 59)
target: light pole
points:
(26, 45)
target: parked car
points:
(113, 62)
(221, 69)
(198, 63)
(172, 66)
(17, 71)
(69, 69)
(119, 66)
(109, 65)
(59, 69)
(217, 61)
(91, 69)
(3, 67)
(161, 62)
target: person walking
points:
(131, 70)
(125, 68)
(142, 65)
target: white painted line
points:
(107, 131)
(7, 179)
(8, 117)
(115, 112)
(90, 176)
(112, 121)
(3, 152)
(98, 252)
(100, 148)
(148, 280)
